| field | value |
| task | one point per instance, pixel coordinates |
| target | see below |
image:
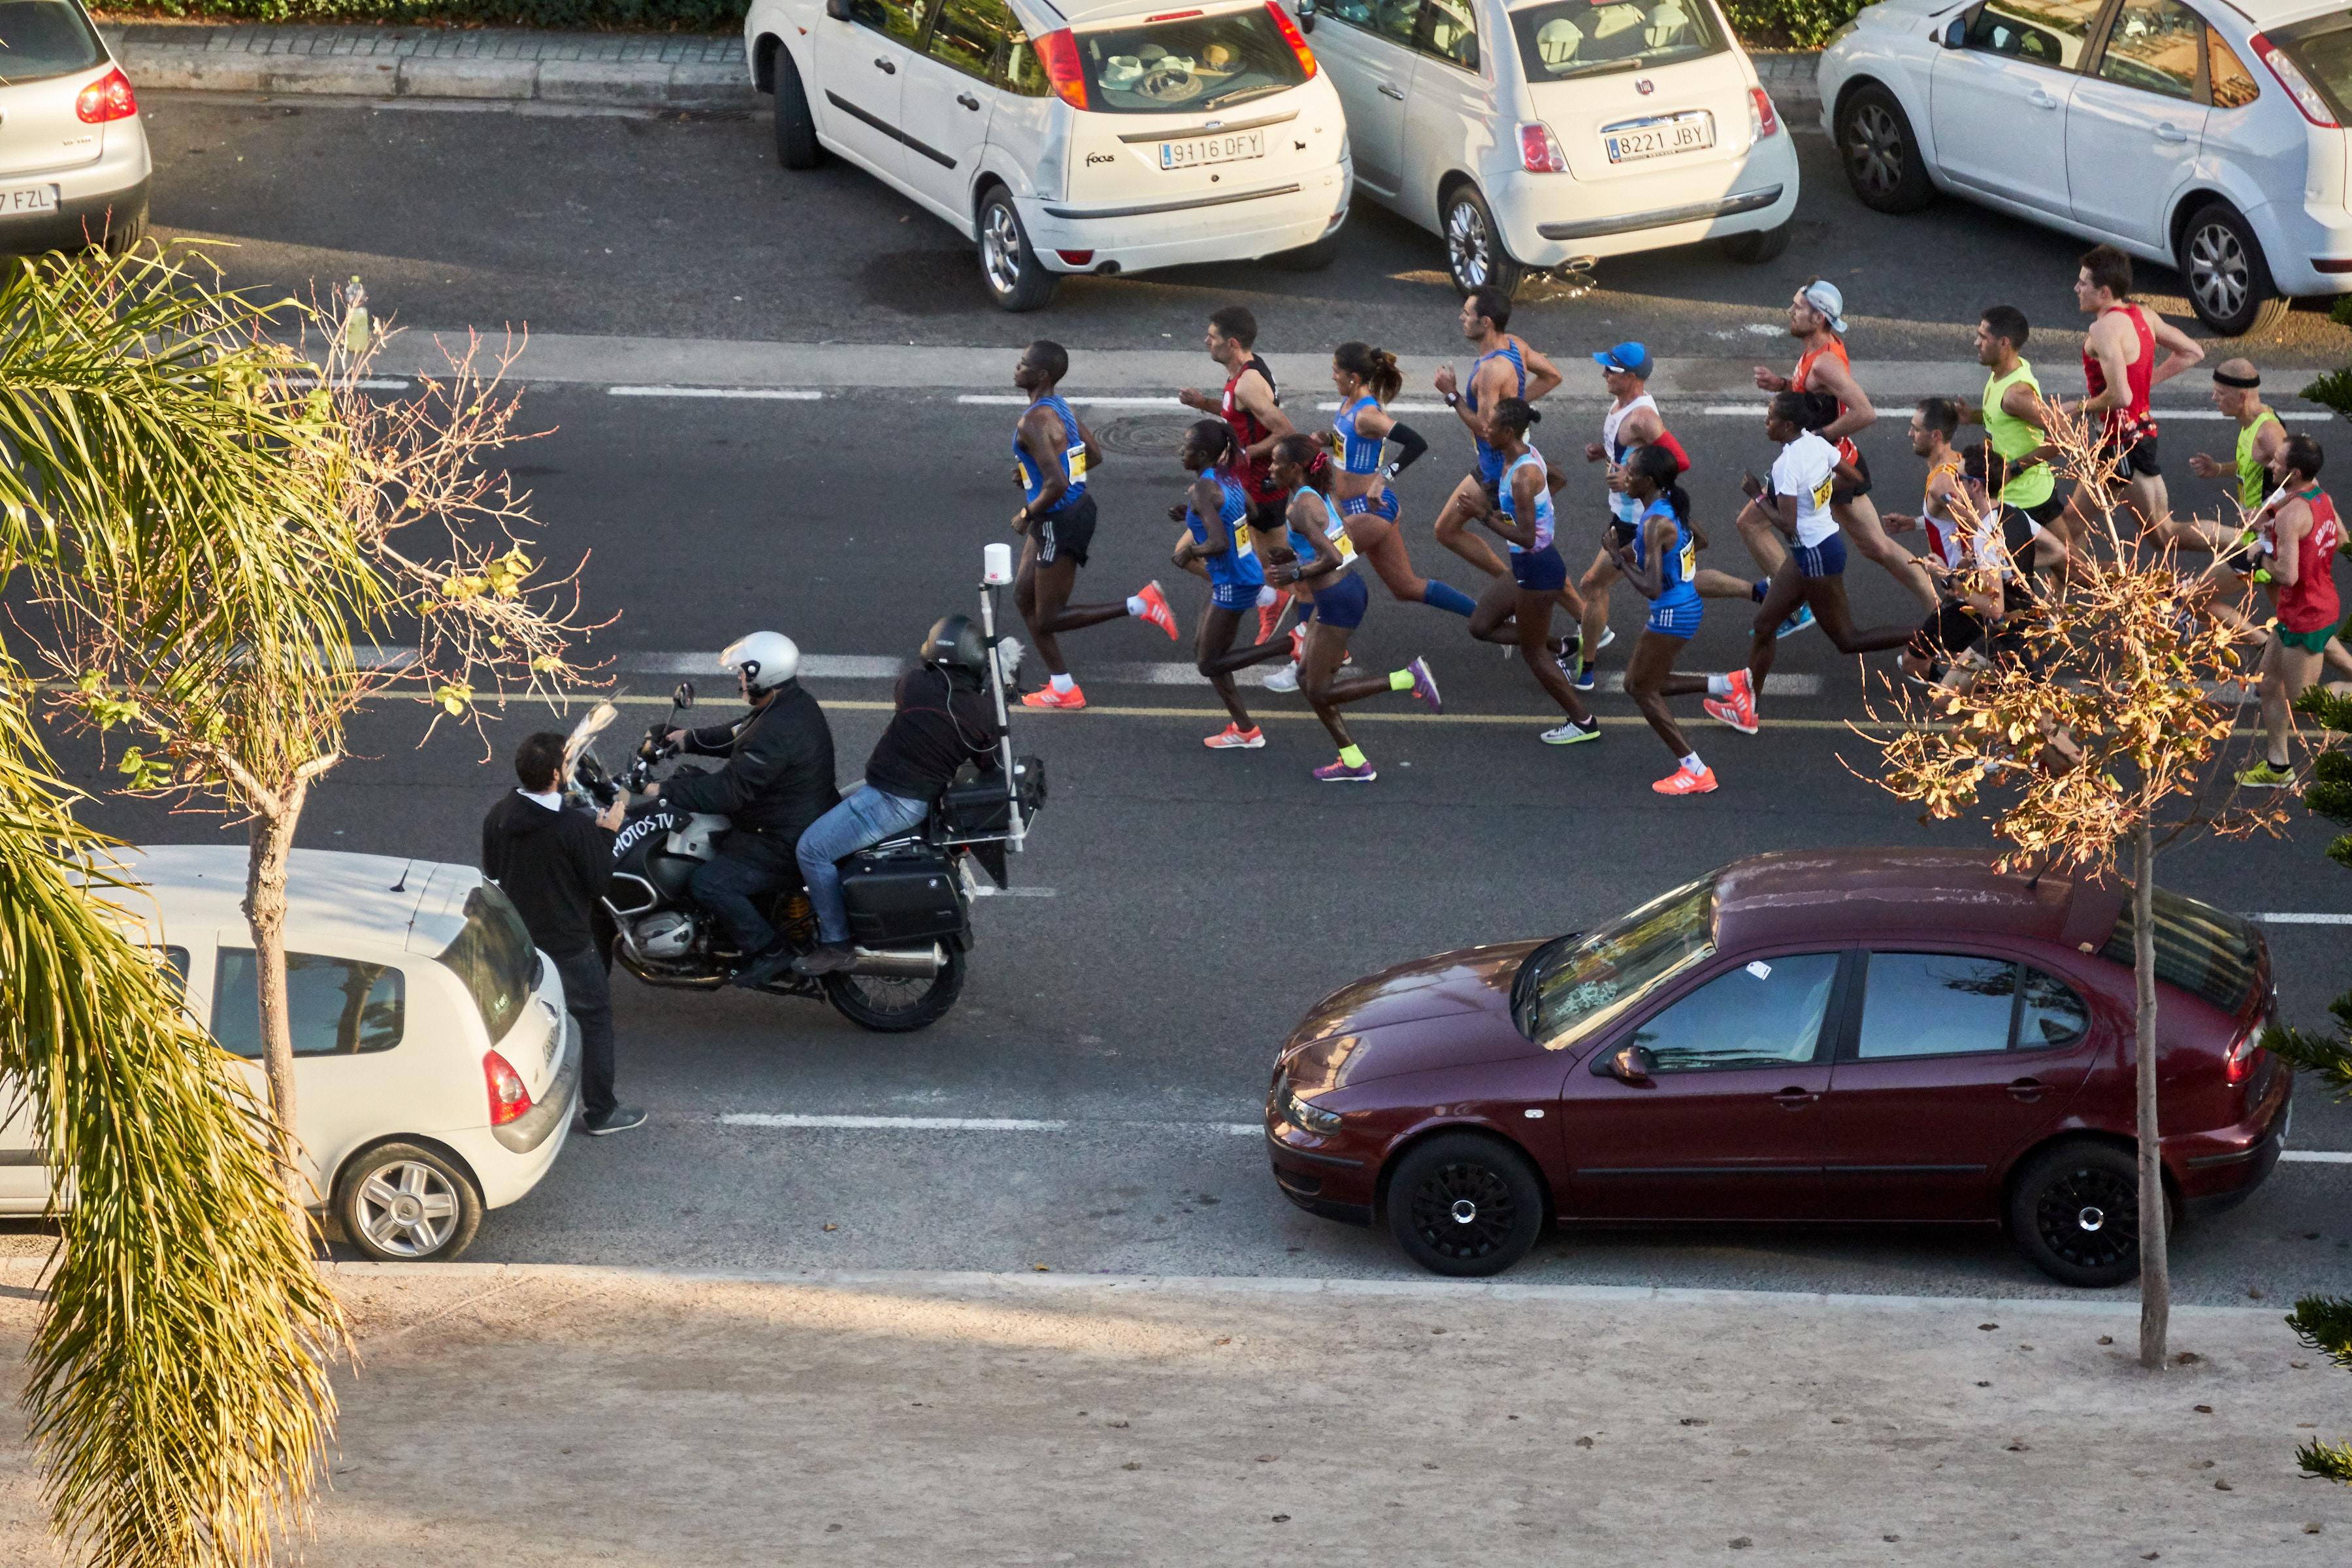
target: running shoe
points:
(1283, 679)
(1582, 680)
(2262, 775)
(1607, 636)
(1737, 709)
(1798, 622)
(1424, 685)
(1270, 616)
(1569, 733)
(1569, 656)
(1341, 773)
(1937, 670)
(1681, 781)
(1046, 697)
(1156, 610)
(1235, 738)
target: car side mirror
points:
(1632, 1064)
(1955, 34)
(684, 696)
(837, 9)
(1305, 15)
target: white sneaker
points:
(1608, 635)
(1283, 679)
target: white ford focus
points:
(436, 1069)
(1069, 135)
(2206, 135)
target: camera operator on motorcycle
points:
(777, 781)
(944, 720)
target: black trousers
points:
(588, 997)
(736, 885)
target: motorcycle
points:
(909, 898)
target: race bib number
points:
(1689, 561)
(1242, 545)
(1822, 491)
(1074, 462)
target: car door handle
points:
(967, 100)
(886, 67)
(1791, 1098)
(2168, 132)
(2041, 100)
(2029, 1089)
(1390, 90)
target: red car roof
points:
(1802, 894)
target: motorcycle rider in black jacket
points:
(778, 780)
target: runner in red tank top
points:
(2120, 368)
(2304, 535)
(1249, 405)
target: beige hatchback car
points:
(74, 168)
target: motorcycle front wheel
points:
(896, 1006)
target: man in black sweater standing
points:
(554, 865)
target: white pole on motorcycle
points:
(996, 570)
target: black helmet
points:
(954, 643)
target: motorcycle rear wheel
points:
(889, 1006)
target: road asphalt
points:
(888, 1419)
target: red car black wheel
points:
(1465, 1205)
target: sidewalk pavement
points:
(551, 1415)
(621, 70)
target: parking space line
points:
(962, 1123)
(2293, 920)
(764, 393)
(2317, 1156)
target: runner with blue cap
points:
(1632, 422)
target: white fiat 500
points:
(1537, 135)
(436, 1069)
(2206, 134)
(1069, 135)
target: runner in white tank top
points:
(1632, 421)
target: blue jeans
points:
(728, 886)
(865, 816)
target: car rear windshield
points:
(1565, 39)
(1579, 982)
(2321, 49)
(1192, 63)
(44, 38)
(2206, 952)
(496, 959)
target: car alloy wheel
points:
(1875, 151)
(2089, 1218)
(1000, 248)
(407, 1209)
(1469, 247)
(2220, 274)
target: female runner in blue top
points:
(1365, 378)
(1523, 518)
(1052, 453)
(1312, 564)
(1216, 519)
(1661, 563)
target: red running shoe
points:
(1156, 610)
(1738, 709)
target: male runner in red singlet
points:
(1252, 406)
(1817, 319)
(2304, 534)
(2120, 366)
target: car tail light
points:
(1075, 258)
(1540, 150)
(2239, 1065)
(2306, 97)
(108, 97)
(1058, 53)
(509, 1098)
(1293, 37)
(1762, 119)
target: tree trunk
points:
(271, 840)
(2155, 1266)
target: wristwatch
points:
(1452, 399)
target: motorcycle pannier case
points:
(974, 809)
(904, 894)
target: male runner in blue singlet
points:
(1052, 453)
(1218, 535)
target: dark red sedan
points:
(1854, 1035)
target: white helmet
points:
(764, 659)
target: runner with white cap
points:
(1817, 319)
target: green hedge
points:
(1788, 24)
(654, 15)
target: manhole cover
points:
(1145, 434)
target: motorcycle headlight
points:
(1299, 1113)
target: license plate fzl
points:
(29, 199)
(1200, 149)
(1659, 138)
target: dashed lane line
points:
(2295, 919)
(758, 393)
(965, 1123)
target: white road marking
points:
(765, 394)
(1395, 407)
(366, 383)
(991, 890)
(1078, 400)
(2278, 920)
(961, 1123)
(2317, 1156)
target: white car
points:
(73, 155)
(1541, 135)
(436, 1069)
(1078, 136)
(2206, 134)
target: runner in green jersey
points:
(2010, 411)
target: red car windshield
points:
(1578, 983)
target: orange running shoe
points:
(1232, 737)
(1270, 616)
(1046, 697)
(1738, 709)
(1156, 610)
(1681, 781)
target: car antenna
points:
(402, 886)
